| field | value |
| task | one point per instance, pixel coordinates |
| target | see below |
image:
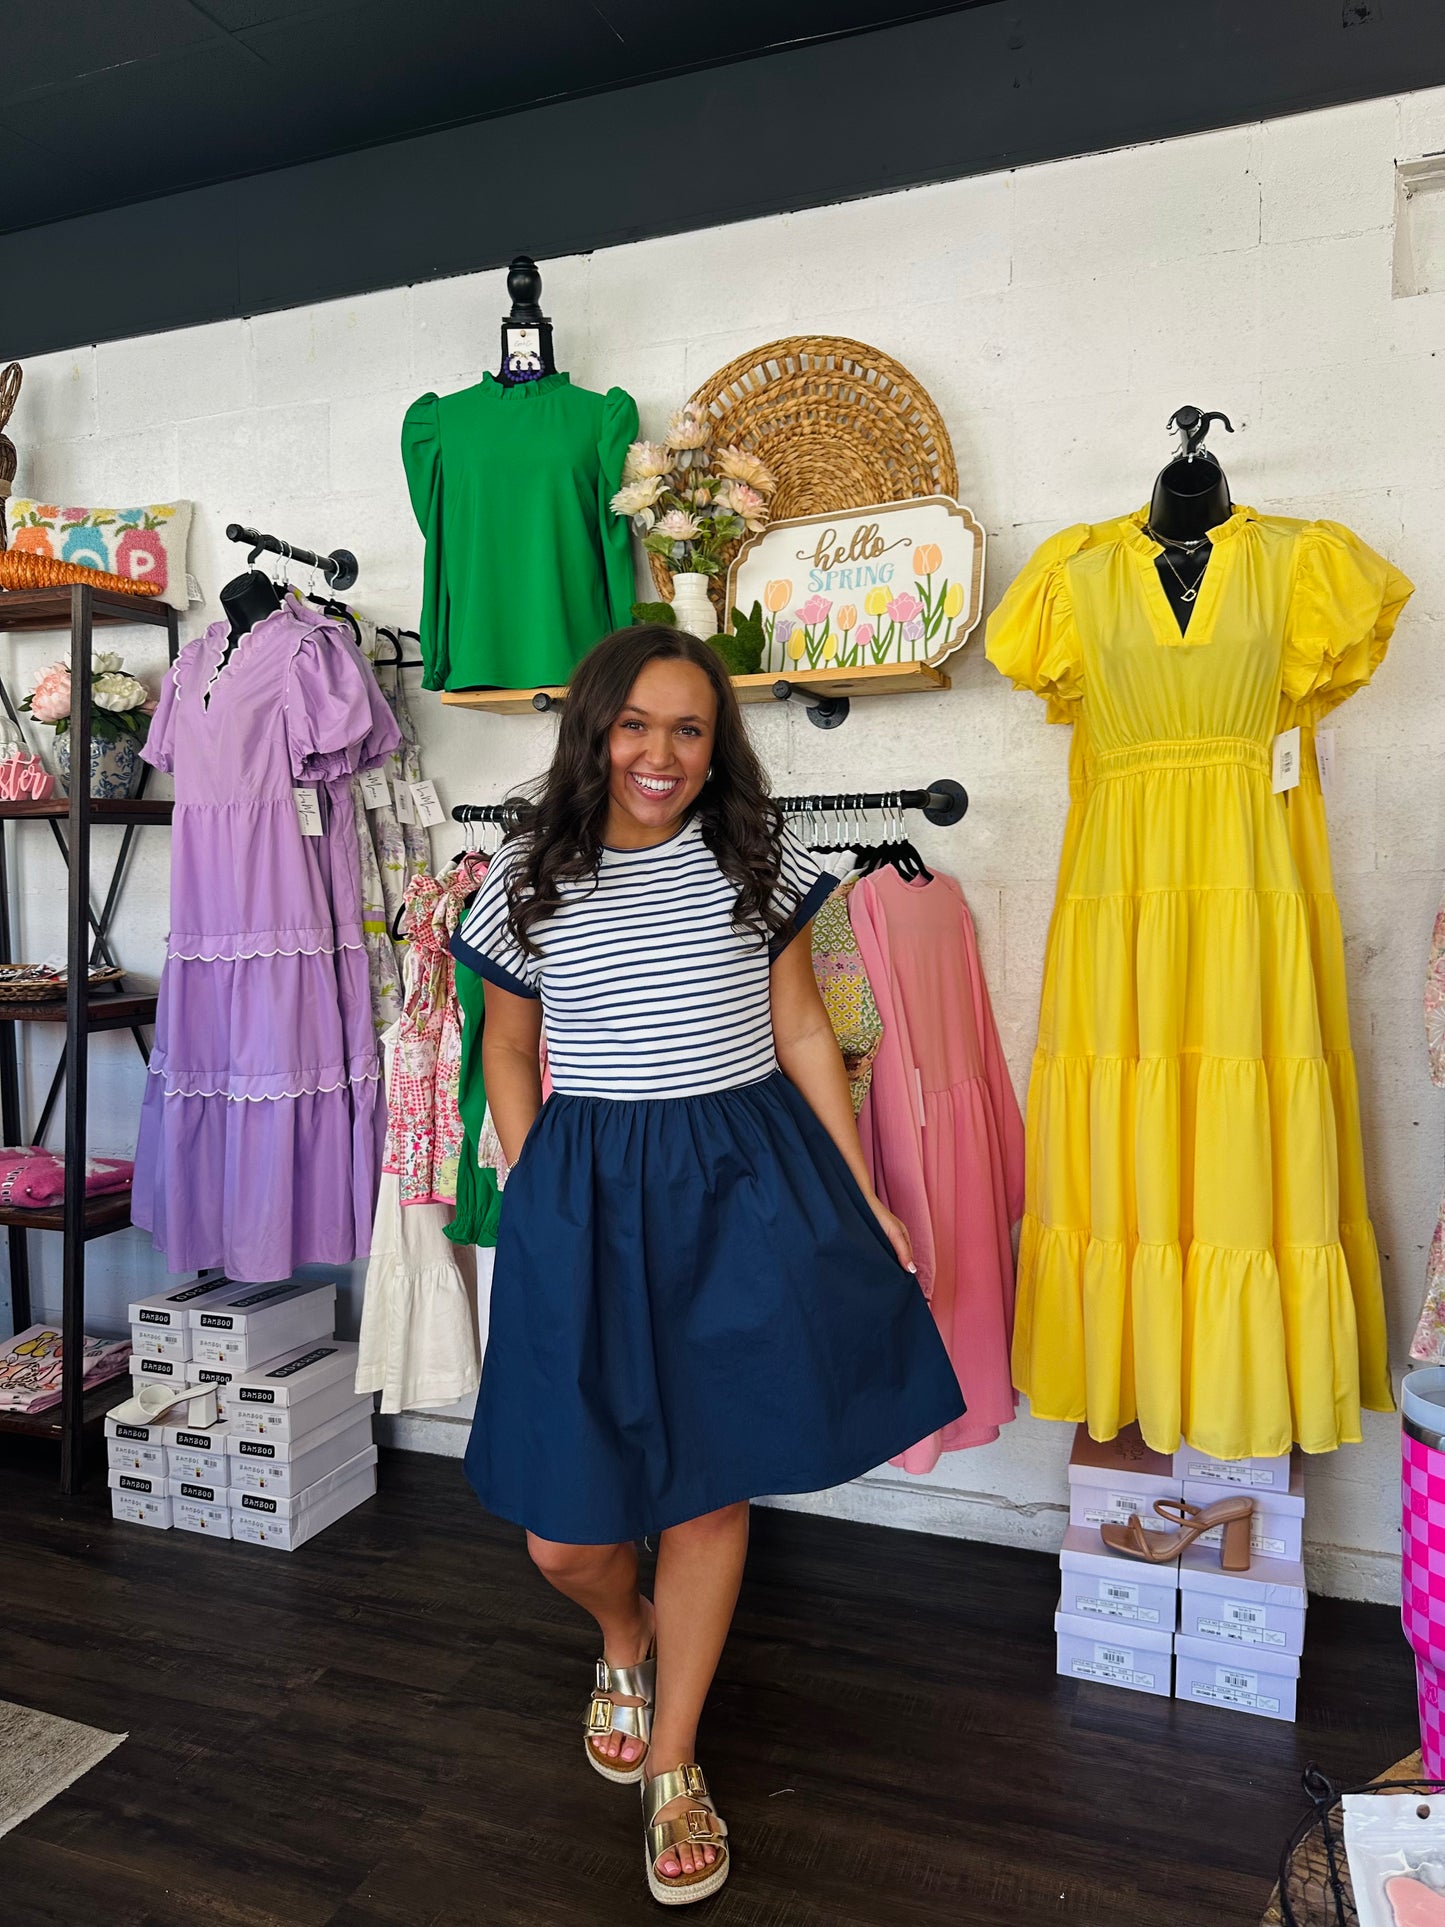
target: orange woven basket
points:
(19, 569)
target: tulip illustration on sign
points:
(894, 583)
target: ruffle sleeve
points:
(1344, 606)
(484, 940)
(421, 457)
(159, 747)
(337, 720)
(1032, 637)
(619, 428)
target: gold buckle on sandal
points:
(699, 1823)
(599, 1716)
(692, 1780)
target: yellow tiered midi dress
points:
(1196, 1249)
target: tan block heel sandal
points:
(699, 1825)
(1159, 1548)
(638, 1682)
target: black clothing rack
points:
(339, 567)
(944, 802)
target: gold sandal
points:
(701, 1825)
(603, 1717)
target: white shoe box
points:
(262, 1520)
(1137, 1658)
(135, 1448)
(256, 1323)
(1110, 1481)
(141, 1508)
(158, 1371)
(1261, 1682)
(1264, 1607)
(168, 1309)
(161, 1341)
(154, 1484)
(198, 1454)
(1254, 1475)
(1099, 1585)
(293, 1394)
(198, 1490)
(199, 1515)
(285, 1467)
(1277, 1528)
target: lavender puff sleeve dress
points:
(263, 1120)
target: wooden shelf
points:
(881, 679)
(51, 608)
(46, 1425)
(106, 1012)
(107, 1211)
(126, 809)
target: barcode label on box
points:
(1244, 1633)
(1225, 1472)
(1112, 1664)
(1106, 1608)
(1117, 1507)
(1233, 1689)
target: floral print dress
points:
(1428, 1345)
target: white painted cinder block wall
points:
(1058, 315)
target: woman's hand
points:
(895, 1231)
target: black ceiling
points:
(105, 102)
(169, 162)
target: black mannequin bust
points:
(1191, 497)
(526, 331)
(246, 599)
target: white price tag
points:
(429, 811)
(405, 808)
(375, 790)
(1325, 760)
(1286, 760)
(308, 811)
(1241, 1614)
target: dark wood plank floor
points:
(382, 1730)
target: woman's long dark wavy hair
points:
(562, 829)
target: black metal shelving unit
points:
(78, 1219)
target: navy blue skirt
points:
(692, 1304)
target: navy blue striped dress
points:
(692, 1303)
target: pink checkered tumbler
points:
(1422, 1574)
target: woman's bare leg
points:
(602, 1580)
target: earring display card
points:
(141, 1509)
(1261, 1682)
(1134, 1657)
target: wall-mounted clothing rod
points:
(339, 567)
(943, 802)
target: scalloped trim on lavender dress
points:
(262, 1122)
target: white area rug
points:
(41, 1756)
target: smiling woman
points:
(698, 1298)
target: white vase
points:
(691, 606)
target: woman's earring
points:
(708, 777)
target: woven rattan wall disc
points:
(840, 424)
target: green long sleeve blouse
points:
(526, 565)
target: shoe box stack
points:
(290, 1449)
(1189, 1628)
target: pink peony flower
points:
(815, 609)
(50, 699)
(903, 608)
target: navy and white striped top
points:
(647, 988)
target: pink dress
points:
(942, 1136)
